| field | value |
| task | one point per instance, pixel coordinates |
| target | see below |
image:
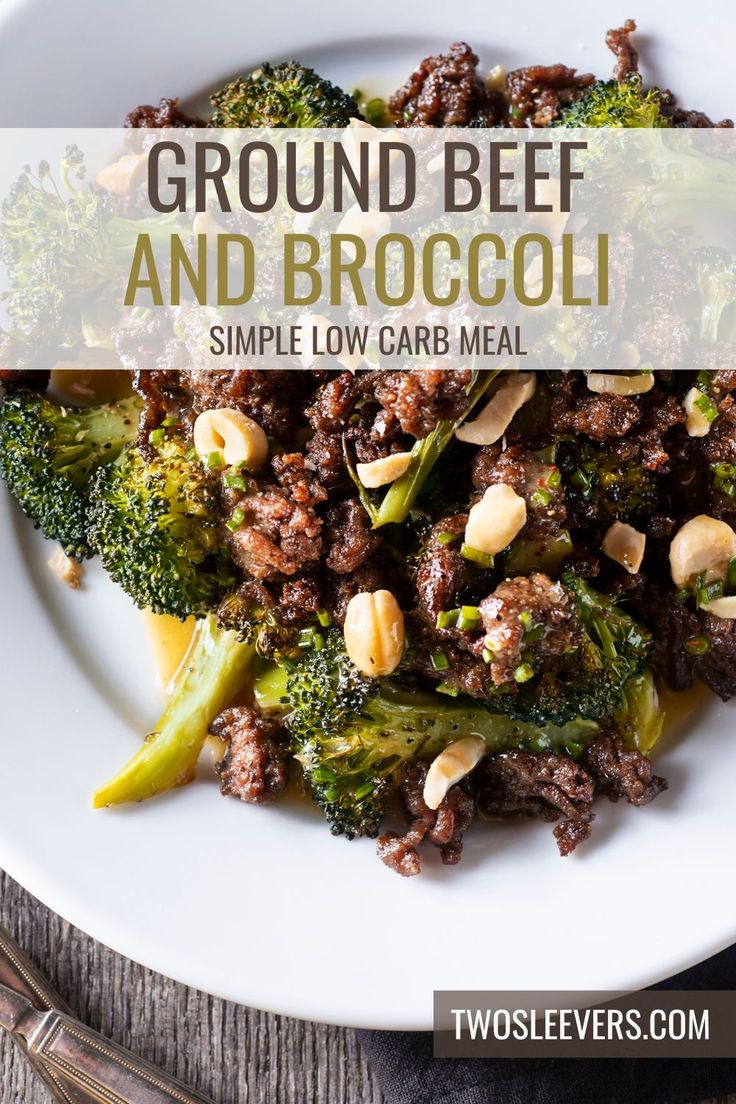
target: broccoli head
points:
(615, 103)
(589, 681)
(48, 454)
(62, 244)
(154, 523)
(351, 734)
(715, 270)
(285, 95)
(599, 488)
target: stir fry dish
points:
(437, 594)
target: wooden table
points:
(236, 1055)
(233, 1054)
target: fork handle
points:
(107, 1073)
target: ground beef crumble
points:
(443, 827)
(547, 786)
(255, 766)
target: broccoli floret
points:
(614, 103)
(589, 681)
(61, 245)
(351, 734)
(48, 454)
(218, 665)
(599, 487)
(716, 275)
(285, 95)
(154, 523)
(257, 624)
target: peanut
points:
(609, 383)
(374, 632)
(495, 417)
(237, 438)
(384, 470)
(452, 764)
(696, 423)
(703, 546)
(625, 544)
(495, 520)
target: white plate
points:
(263, 906)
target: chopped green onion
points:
(324, 618)
(723, 470)
(156, 436)
(683, 594)
(468, 618)
(484, 559)
(709, 591)
(190, 454)
(447, 538)
(374, 111)
(540, 497)
(310, 638)
(171, 421)
(534, 634)
(704, 379)
(440, 661)
(527, 620)
(236, 482)
(236, 519)
(214, 461)
(547, 455)
(523, 672)
(697, 645)
(487, 655)
(554, 479)
(447, 619)
(443, 688)
(707, 408)
(582, 481)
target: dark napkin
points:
(408, 1074)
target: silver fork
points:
(77, 1065)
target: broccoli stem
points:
(430, 722)
(402, 494)
(640, 718)
(217, 666)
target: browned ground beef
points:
(442, 574)
(619, 42)
(443, 827)
(548, 786)
(167, 114)
(348, 537)
(255, 765)
(274, 397)
(282, 535)
(446, 91)
(597, 416)
(622, 771)
(420, 398)
(537, 93)
(556, 626)
(295, 475)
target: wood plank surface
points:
(235, 1055)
